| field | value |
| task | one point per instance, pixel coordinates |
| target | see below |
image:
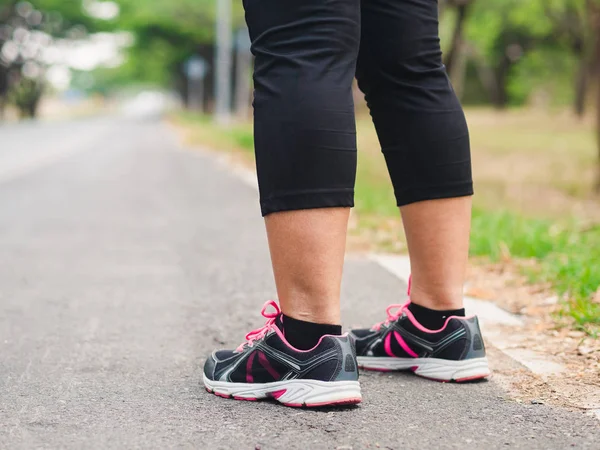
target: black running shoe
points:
(453, 353)
(267, 366)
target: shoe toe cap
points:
(209, 367)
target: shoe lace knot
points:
(394, 311)
(261, 332)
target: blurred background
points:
(528, 73)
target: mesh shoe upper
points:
(404, 337)
(268, 357)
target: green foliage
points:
(38, 22)
(166, 34)
(567, 256)
(531, 45)
(545, 70)
(26, 97)
(234, 137)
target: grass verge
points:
(566, 257)
(566, 252)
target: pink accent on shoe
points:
(387, 345)
(393, 312)
(270, 325)
(396, 310)
(433, 379)
(277, 394)
(414, 368)
(261, 332)
(218, 394)
(348, 401)
(473, 378)
(404, 345)
(249, 376)
(248, 399)
(427, 330)
(267, 365)
(297, 350)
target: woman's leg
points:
(307, 250)
(425, 141)
(305, 143)
(437, 232)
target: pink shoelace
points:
(394, 311)
(261, 332)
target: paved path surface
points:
(124, 260)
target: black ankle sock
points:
(305, 335)
(432, 319)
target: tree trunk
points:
(501, 99)
(457, 41)
(459, 71)
(442, 7)
(7, 10)
(593, 8)
(597, 185)
(597, 72)
(486, 74)
(581, 85)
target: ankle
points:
(317, 317)
(311, 307)
(439, 300)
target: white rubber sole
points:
(298, 393)
(432, 368)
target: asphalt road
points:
(125, 259)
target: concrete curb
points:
(493, 321)
(490, 316)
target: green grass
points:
(567, 256)
(203, 130)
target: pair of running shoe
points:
(267, 366)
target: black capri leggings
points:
(307, 55)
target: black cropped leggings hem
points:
(408, 196)
(345, 198)
(308, 200)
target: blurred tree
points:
(499, 34)
(166, 34)
(27, 28)
(569, 20)
(593, 9)
(26, 96)
(6, 12)
(456, 46)
(518, 46)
